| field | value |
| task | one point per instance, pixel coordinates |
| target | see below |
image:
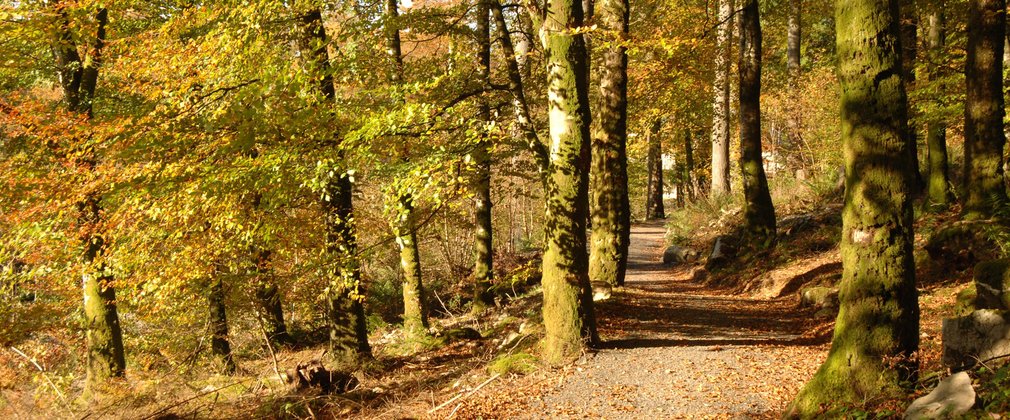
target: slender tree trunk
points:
(78, 77)
(654, 191)
(720, 104)
(877, 330)
(983, 123)
(939, 194)
(268, 297)
(611, 219)
(219, 345)
(759, 214)
(483, 271)
(793, 41)
(691, 182)
(568, 305)
(909, 44)
(345, 294)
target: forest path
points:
(673, 348)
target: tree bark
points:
(983, 121)
(877, 329)
(909, 53)
(654, 191)
(720, 104)
(219, 345)
(568, 306)
(483, 272)
(793, 41)
(690, 181)
(610, 207)
(939, 194)
(345, 293)
(268, 297)
(79, 78)
(759, 214)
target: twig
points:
(43, 372)
(453, 412)
(464, 396)
(443, 305)
(270, 348)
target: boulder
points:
(961, 245)
(314, 376)
(982, 335)
(722, 251)
(992, 282)
(676, 254)
(952, 397)
(819, 297)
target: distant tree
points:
(720, 103)
(78, 78)
(909, 55)
(759, 214)
(984, 137)
(877, 330)
(938, 186)
(220, 346)
(568, 304)
(654, 190)
(794, 38)
(610, 206)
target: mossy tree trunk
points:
(759, 214)
(220, 347)
(415, 310)
(78, 78)
(568, 305)
(877, 329)
(938, 185)
(268, 297)
(983, 120)
(345, 293)
(483, 247)
(720, 103)
(610, 208)
(654, 161)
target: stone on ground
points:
(676, 254)
(981, 335)
(952, 397)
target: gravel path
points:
(673, 349)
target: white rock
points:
(953, 396)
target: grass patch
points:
(521, 363)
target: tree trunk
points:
(268, 298)
(909, 44)
(793, 45)
(692, 185)
(759, 214)
(483, 271)
(720, 104)
(568, 306)
(939, 194)
(611, 219)
(219, 345)
(654, 191)
(415, 311)
(877, 330)
(78, 77)
(983, 122)
(345, 294)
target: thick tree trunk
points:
(611, 219)
(759, 214)
(720, 103)
(78, 77)
(654, 160)
(345, 294)
(568, 305)
(939, 194)
(983, 120)
(793, 41)
(220, 347)
(877, 330)
(909, 53)
(483, 272)
(415, 311)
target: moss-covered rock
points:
(819, 297)
(992, 281)
(962, 245)
(965, 301)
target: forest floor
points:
(673, 348)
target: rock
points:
(992, 281)
(314, 376)
(819, 297)
(952, 397)
(601, 292)
(465, 333)
(981, 335)
(964, 302)
(962, 245)
(676, 254)
(790, 225)
(722, 251)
